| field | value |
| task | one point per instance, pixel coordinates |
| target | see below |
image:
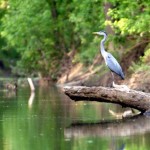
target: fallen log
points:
(126, 98)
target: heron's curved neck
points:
(102, 45)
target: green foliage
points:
(87, 17)
(25, 29)
(146, 57)
(87, 55)
(43, 31)
(37, 34)
(138, 67)
(130, 17)
(144, 62)
(130, 21)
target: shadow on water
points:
(49, 120)
(126, 127)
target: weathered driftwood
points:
(130, 98)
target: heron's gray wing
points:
(114, 65)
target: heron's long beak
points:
(95, 33)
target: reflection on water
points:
(49, 120)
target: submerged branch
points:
(31, 84)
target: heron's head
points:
(100, 33)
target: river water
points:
(49, 120)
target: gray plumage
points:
(110, 61)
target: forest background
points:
(51, 38)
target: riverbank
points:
(95, 77)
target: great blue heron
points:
(110, 61)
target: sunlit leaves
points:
(130, 17)
(146, 57)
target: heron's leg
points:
(113, 80)
(112, 76)
(120, 87)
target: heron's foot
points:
(121, 87)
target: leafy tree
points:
(25, 27)
(88, 16)
(130, 17)
(41, 33)
(7, 58)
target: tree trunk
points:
(130, 98)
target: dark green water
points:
(51, 121)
